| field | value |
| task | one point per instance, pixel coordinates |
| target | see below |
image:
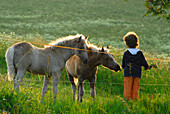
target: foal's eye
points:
(106, 58)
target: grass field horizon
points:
(106, 22)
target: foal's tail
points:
(10, 64)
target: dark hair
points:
(131, 40)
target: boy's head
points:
(131, 40)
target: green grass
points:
(27, 100)
(106, 22)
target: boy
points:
(132, 61)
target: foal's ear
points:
(102, 49)
(86, 37)
(79, 40)
(107, 46)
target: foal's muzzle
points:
(117, 68)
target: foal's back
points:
(74, 65)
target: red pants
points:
(131, 87)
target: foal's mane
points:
(62, 41)
(94, 48)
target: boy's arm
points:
(144, 62)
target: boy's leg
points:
(127, 87)
(135, 88)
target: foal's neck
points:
(94, 59)
(65, 53)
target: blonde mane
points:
(93, 48)
(63, 40)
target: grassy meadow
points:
(106, 22)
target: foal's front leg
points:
(81, 89)
(92, 90)
(56, 78)
(92, 81)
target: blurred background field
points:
(106, 22)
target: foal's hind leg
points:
(73, 85)
(45, 87)
(18, 78)
(78, 95)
